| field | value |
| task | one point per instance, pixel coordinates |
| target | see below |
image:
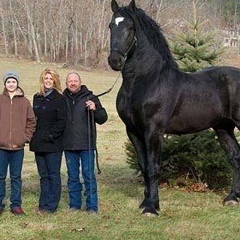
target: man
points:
(84, 110)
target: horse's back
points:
(185, 102)
(205, 99)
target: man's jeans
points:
(13, 159)
(85, 160)
(49, 166)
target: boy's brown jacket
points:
(17, 120)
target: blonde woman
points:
(49, 106)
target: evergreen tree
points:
(195, 49)
(187, 159)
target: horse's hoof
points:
(150, 212)
(230, 203)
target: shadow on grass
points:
(120, 178)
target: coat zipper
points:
(11, 122)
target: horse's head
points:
(122, 38)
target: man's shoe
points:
(17, 211)
(91, 211)
(42, 211)
(74, 209)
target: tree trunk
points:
(32, 32)
(3, 28)
(14, 29)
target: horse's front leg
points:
(140, 148)
(154, 142)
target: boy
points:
(17, 124)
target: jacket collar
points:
(84, 91)
(19, 92)
(50, 96)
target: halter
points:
(133, 43)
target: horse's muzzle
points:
(116, 61)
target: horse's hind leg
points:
(231, 147)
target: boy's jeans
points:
(13, 159)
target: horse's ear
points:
(114, 6)
(132, 5)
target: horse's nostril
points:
(116, 62)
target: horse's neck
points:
(142, 61)
(159, 56)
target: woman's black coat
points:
(51, 118)
(80, 130)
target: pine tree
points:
(195, 49)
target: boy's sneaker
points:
(17, 211)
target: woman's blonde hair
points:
(56, 80)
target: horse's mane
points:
(153, 32)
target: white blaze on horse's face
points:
(118, 20)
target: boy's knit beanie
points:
(10, 74)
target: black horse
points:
(157, 98)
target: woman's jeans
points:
(49, 166)
(13, 159)
(85, 160)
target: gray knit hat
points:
(10, 74)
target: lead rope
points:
(133, 43)
(92, 122)
(91, 125)
(90, 152)
(109, 90)
(95, 142)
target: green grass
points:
(184, 215)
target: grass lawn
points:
(184, 215)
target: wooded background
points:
(75, 32)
